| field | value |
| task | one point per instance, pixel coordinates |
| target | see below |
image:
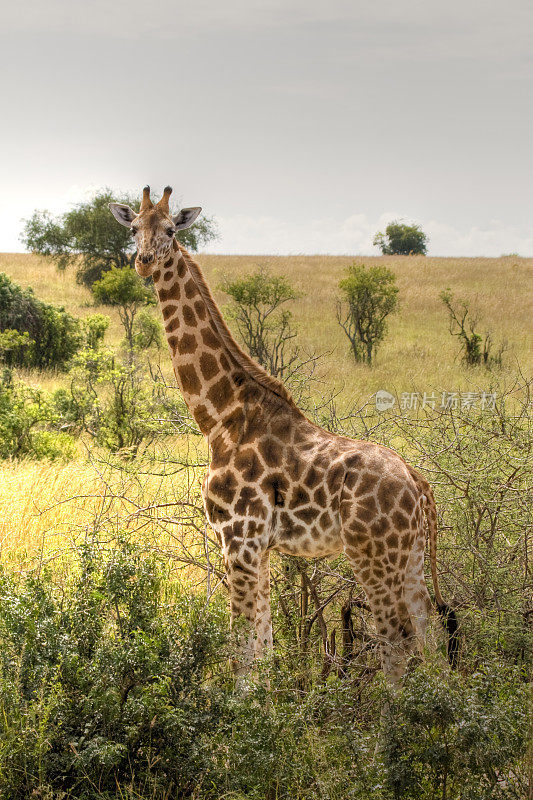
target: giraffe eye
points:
(134, 231)
(170, 231)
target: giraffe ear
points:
(185, 218)
(123, 214)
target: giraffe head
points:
(153, 228)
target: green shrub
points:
(53, 335)
(95, 326)
(104, 682)
(451, 737)
(14, 346)
(124, 290)
(113, 683)
(116, 402)
(147, 332)
(24, 416)
(264, 327)
(476, 348)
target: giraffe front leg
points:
(243, 562)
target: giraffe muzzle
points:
(146, 258)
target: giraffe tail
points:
(447, 615)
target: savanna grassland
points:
(114, 644)
(418, 352)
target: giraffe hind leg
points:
(416, 591)
(377, 567)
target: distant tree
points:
(124, 290)
(264, 327)
(88, 237)
(400, 239)
(369, 296)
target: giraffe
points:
(276, 481)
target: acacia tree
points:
(264, 327)
(88, 237)
(369, 296)
(400, 239)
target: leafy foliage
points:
(95, 326)
(48, 336)
(115, 402)
(88, 238)
(125, 291)
(14, 346)
(114, 683)
(369, 296)
(265, 328)
(106, 684)
(147, 332)
(400, 239)
(454, 738)
(25, 414)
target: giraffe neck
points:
(201, 364)
(220, 383)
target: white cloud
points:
(493, 239)
(277, 236)
(355, 234)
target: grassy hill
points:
(418, 355)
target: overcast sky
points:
(302, 125)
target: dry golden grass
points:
(47, 509)
(35, 517)
(418, 353)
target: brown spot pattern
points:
(208, 366)
(189, 379)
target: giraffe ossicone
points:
(277, 481)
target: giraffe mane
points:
(252, 369)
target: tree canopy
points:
(89, 238)
(400, 239)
